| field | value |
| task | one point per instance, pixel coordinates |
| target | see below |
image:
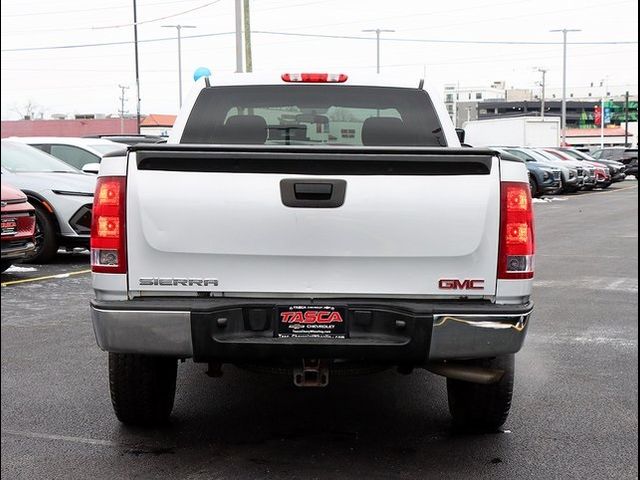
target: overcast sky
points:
(85, 80)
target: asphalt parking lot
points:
(574, 413)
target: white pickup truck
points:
(310, 223)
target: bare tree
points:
(28, 111)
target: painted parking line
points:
(563, 198)
(132, 447)
(47, 277)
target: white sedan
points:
(82, 153)
(62, 197)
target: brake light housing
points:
(516, 253)
(314, 77)
(108, 232)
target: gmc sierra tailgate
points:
(302, 221)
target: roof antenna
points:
(421, 84)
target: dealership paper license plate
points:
(313, 321)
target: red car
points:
(18, 226)
(602, 174)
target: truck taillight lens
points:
(108, 240)
(517, 237)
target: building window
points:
(478, 96)
(449, 98)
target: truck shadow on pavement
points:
(370, 422)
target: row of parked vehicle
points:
(53, 181)
(568, 170)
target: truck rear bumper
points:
(242, 330)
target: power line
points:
(159, 18)
(107, 44)
(94, 9)
(315, 35)
(426, 40)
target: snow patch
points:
(16, 269)
(549, 199)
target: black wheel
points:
(142, 388)
(588, 188)
(483, 407)
(533, 185)
(46, 240)
(605, 185)
(4, 266)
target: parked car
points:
(82, 153)
(574, 164)
(62, 197)
(628, 156)
(569, 179)
(596, 174)
(253, 243)
(543, 179)
(131, 139)
(620, 154)
(18, 226)
(632, 167)
(617, 170)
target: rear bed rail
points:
(308, 160)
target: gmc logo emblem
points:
(455, 284)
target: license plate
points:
(312, 321)
(9, 226)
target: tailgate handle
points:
(313, 191)
(306, 193)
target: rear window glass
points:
(322, 115)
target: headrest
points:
(243, 129)
(385, 131)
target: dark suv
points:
(628, 156)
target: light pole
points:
(122, 110)
(179, 29)
(543, 71)
(378, 31)
(564, 32)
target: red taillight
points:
(108, 241)
(517, 237)
(315, 77)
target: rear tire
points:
(142, 388)
(46, 240)
(535, 190)
(483, 407)
(605, 185)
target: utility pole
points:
(247, 37)
(135, 42)
(626, 119)
(378, 31)
(239, 62)
(564, 32)
(543, 71)
(122, 110)
(179, 29)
